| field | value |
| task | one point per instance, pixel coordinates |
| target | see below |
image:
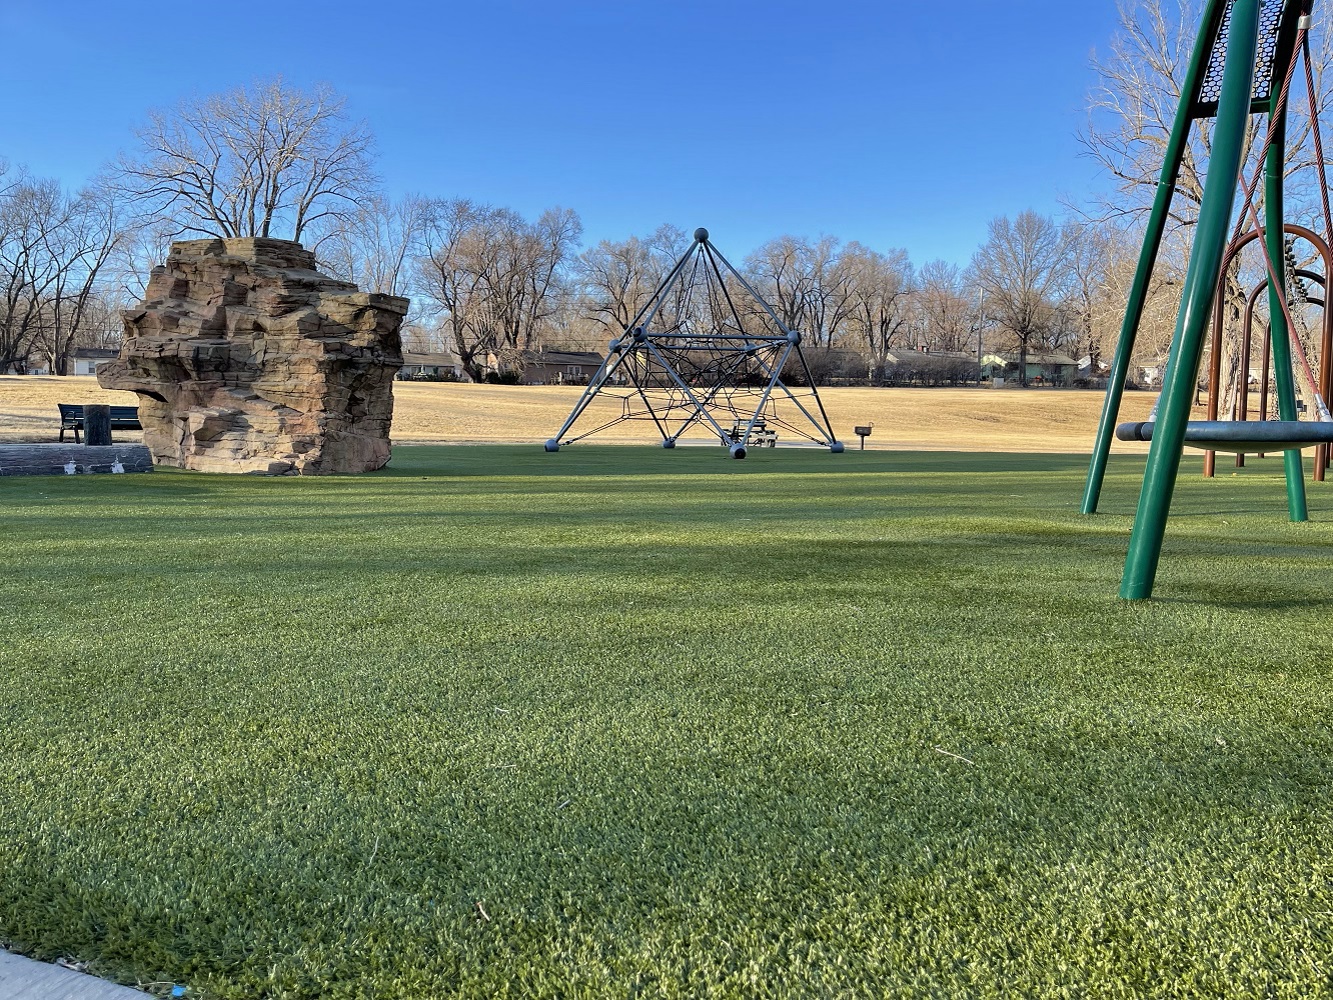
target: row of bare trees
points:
(58, 258)
(488, 283)
(492, 286)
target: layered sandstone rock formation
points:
(246, 359)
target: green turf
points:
(681, 726)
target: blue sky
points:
(899, 124)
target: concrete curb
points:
(25, 979)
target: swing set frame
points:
(1244, 59)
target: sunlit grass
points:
(624, 722)
(451, 412)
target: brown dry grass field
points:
(1000, 420)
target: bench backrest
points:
(73, 413)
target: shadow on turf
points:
(1225, 599)
(602, 460)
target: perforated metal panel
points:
(1270, 21)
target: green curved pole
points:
(1278, 330)
(1152, 241)
(1210, 241)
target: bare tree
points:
(881, 300)
(946, 308)
(804, 284)
(618, 278)
(9, 177)
(780, 272)
(1022, 270)
(54, 249)
(1133, 107)
(30, 212)
(1131, 113)
(829, 303)
(269, 160)
(100, 325)
(372, 245)
(1090, 254)
(493, 276)
(452, 268)
(81, 241)
(144, 245)
(542, 252)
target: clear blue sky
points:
(900, 123)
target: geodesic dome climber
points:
(1245, 58)
(705, 353)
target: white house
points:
(88, 359)
(428, 367)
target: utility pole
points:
(981, 325)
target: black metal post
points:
(97, 425)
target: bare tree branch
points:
(270, 160)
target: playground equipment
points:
(1297, 293)
(691, 358)
(1244, 60)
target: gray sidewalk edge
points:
(26, 979)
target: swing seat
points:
(1241, 436)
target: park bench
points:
(123, 418)
(761, 435)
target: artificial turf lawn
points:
(680, 726)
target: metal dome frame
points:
(717, 376)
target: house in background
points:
(35, 365)
(1151, 374)
(560, 367)
(831, 366)
(431, 367)
(1042, 369)
(86, 360)
(1092, 375)
(907, 367)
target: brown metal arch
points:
(1215, 353)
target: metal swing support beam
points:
(1233, 112)
(1235, 103)
(1152, 242)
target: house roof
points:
(430, 360)
(566, 358)
(847, 353)
(1034, 358)
(902, 355)
(95, 354)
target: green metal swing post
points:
(1138, 294)
(1283, 374)
(1233, 112)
